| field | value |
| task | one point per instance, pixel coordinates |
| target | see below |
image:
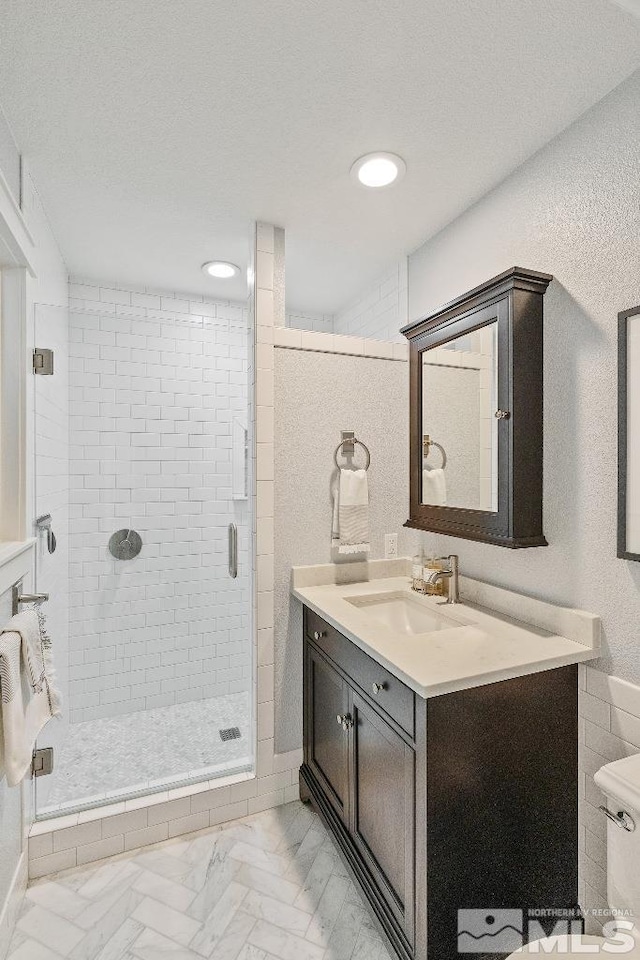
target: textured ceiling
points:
(156, 131)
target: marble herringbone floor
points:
(269, 887)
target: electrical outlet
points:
(390, 546)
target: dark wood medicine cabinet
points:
(476, 413)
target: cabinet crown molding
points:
(515, 278)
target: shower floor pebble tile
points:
(119, 755)
(268, 887)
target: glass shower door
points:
(152, 402)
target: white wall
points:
(46, 295)
(156, 383)
(12, 843)
(572, 210)
(316, 396)
(380, 310)
(9, 158)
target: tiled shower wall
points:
(158, 389)
(380, 311)
(303, 320)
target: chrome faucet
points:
(451, 575)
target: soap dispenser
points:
(417, 578)
(433, 589)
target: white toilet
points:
(620, 784)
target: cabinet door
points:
(326, 742)
(383, 817)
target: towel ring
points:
(360, 444)
(427, 443)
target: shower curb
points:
(62, 843)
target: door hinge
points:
(42, 763)
(43, 361)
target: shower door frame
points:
(234, 771)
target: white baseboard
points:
(12, 904)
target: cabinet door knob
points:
(319, 634)
(339, 719)
(347, 721)
(378, 688)
(502, 414)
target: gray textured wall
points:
(574, 211)
(316, 396)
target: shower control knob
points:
(502, 414)
(378, 688)
(125, 544)
(319, 634)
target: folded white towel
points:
(351, 512)
(434, 487)
(29, 697)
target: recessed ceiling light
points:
(220, 269)
(378, 169)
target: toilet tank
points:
(620, 783)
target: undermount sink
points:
(402, 612)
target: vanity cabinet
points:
(363, 762)
(327, 699)
(466, 800)
(383, 817)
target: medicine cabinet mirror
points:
(476, 413)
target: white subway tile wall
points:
(86, 837)
(609, 730)
(380, 311)
(314, 342)
(320, 322)
(156, 382)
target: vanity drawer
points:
(385, 690)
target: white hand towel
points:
(37, 654)
(29, 698)
(434, 487)
(351, 512)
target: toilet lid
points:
(558, 947)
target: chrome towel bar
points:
(348, 442)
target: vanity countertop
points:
(492, 634)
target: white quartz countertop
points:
(492, 635)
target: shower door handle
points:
(233, 550)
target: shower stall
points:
(141, 463)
